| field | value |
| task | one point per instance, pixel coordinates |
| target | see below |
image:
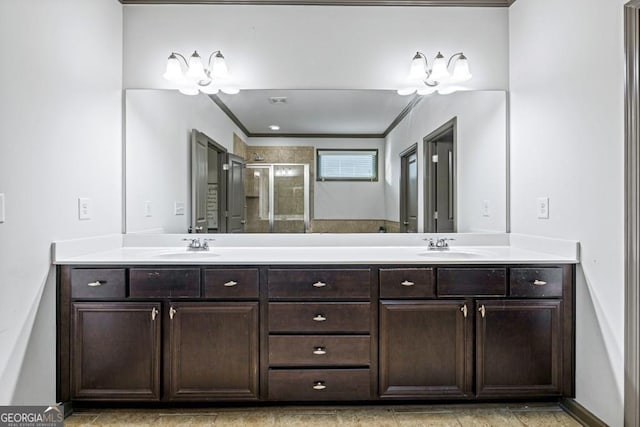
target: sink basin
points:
(452, 254)
(186, 255)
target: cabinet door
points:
(213, 351)
(518, 347)
(425, 349)
(115, 351)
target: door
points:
(425, 349)
(409, 190)
(199, 181)
(115, 351)
(213, 350)
(440, 185)
(518, 348)
(235, 194)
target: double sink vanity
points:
(298, 318)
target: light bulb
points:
(406, 91)
(188, 90)
(418, 69)
(196, 69)
(209, 89)
(219, 68)
(439, 72)
(448, 90)
(461, 70)
(173, 73)
(229, 90)
(426, 90)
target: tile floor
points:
(537, 415)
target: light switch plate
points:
(84, 208)
(178, 208)
(485, 208)
(147, 208)
(2, 208)
(543, 208)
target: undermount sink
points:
(452, 254)
(186, 255)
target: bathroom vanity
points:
(159, 325)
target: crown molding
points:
(440, 3)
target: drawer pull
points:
(464, 310)
(539, 282)
(319, 351)
(172, 312)
(407, 283)
(319, 284)
(482, 310)
(153, 274)
(230, 283)
(319, 318)
(154, 313)
(319, 385)
(96, 283)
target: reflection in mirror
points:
(158, 159)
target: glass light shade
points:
(439, 71)
(418, 69)
(188, 90)
(209, 89)
(426, 90)
(229, 90)
(406, 91)
(448, 90)
(196, 69)
(461, 70)
(173, 73)
(219, 68)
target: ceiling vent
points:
(277, 100)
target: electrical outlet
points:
(543, 208)
(2, 218)
(84, 208)
(147, 208)
(178, 208)
(485, 208)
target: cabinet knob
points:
(154, 313)
(230, 283)
(482, 310)
(172, 312)
(320, 351)
(463, 309)
(539, 282)
(96, 283)
(319, 385)
(319, 284)
(407, 283)
(319, 318)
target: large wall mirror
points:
(349, 161)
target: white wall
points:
(158, 147)
(60, 139)
(342, 199)
(310, 47)
(481, 156)
(567, 85)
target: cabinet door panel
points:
(115, 351)
(214, 351)
(518, 348)
(424, 349)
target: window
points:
(347, 165)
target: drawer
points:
(319, 384)
(319, 284)
(407, 283)
(472, 281)
(319, 350)
(334, 317)
(164, 282)
(536, 282)
(231, 283)
(98, 283)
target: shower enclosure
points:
(277, 197)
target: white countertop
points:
(362, 253)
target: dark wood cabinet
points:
(213, 350)
(425, 349)
(115, 351)
(519, 348)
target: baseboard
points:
(580, 413)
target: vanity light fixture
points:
(198, 78)
(425, 80)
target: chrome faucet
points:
(441, 244)
(197, 244)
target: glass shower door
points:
(290, 205)
(258, 199)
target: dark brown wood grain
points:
(164, 282)
(319, 350)
(84, 283)
(456, 282)
(341, 317)
(338, 283)
(219, 283)
(541, 282)
(297, 384)
(407, 283)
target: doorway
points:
(440, 179)
(409, 190)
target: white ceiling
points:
(317, 111)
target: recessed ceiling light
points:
(274, 127)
